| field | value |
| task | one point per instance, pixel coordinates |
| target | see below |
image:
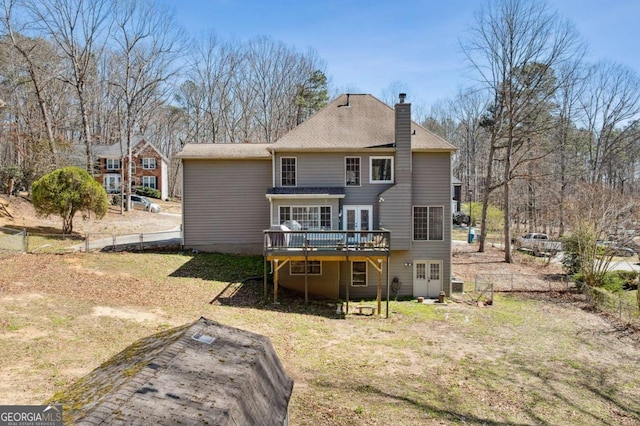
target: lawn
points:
(521, 361)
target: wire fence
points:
(12, 240)
(624, 305)
(522, 283)
(625, 308)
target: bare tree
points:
(146, 41)
(78, 27)
(274, 75)
(514, 47)
(389, 95)
(599, 213)
(208, 93)
(565, 162)
(34, 59)
(610, 103)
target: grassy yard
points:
(522, 361)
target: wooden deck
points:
(282, 246)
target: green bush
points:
(630, 279)
(613, 281)
(148, 192)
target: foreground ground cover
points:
(524, 360)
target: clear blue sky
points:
(369, 45)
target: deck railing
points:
(284, 240)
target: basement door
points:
(427, 278)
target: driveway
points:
(135, 241)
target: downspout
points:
(273, 168)
(273, 184)
(182, 206)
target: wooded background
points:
(537, 127)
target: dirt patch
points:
(467, 262)
(124, 313)
(18, 212)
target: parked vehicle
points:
(616, 249)
(539, 244)
(138, 202)
(460, 218)
(143, 203)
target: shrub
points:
(148, 192)
(67, 191)
(612, 282)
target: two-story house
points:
(353, 201)
(149, 166)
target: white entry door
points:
(112, 183)
(427, 278)
(357, 218)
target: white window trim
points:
(295, 174)
(112, 160)
(357, 208)
(381, 157)
(302, 273)
(155, 185)
(413, 215)
(366, 273)
(359, 171)
(318, 206)
(149, 159)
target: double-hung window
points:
(359, 274)
(148, 163)
(149, 182)
(381, 169)
(309, 217)
(352, 171)
(288, 171)
(428, 223)
(113, 163)
(314, 267)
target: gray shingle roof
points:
(362, 122)
(225, 151)
(173, 378)
(118, 149)
(306, 191)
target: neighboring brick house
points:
(352, 203)
(150, 167)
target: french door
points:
(357, 218)
(427, 278)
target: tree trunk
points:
(485, 200)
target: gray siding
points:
(325, 284)
(224, 204)
(432, 187)
(357, 293)
(328, 170)
(395, 215)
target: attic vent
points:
(203, 338)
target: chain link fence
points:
(625, 308)
(521, 283)
(12, 240)
(622, 305)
